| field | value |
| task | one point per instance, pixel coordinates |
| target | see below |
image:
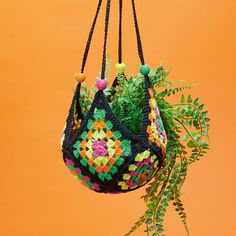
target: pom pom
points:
(80, 77)
(144, 70)
(101, 84)
(120, 67)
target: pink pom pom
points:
(101, 84)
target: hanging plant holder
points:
(101, 152)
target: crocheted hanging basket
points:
(101, 151)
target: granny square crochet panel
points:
(106, 157)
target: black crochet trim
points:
(69, 119)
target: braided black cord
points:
(139, 42)
(105, 39)
(120, 32)
(115, 82)
(90, 37)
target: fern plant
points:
(186, 124)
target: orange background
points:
(41, 46)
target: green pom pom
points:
(144, 70)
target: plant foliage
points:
(186, 123)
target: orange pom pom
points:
(80, 77)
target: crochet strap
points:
(105, 39)
(90, 36)
(115, 82)
(139, 42)
(120, 32)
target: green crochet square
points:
(99, 114)
(109, 125)
(90, 124)
(117, 135)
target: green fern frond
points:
(186, 124)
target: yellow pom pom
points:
(80, 77)
(120, 68)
